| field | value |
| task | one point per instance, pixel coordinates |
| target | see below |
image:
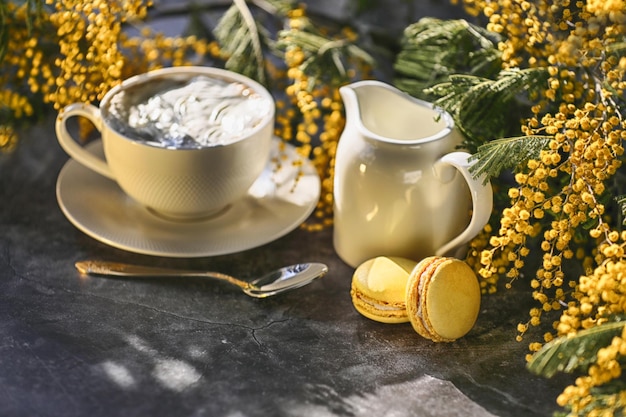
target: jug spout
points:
(350, 100)
(381, 111)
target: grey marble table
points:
(71, 346)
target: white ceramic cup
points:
(175, 183)
(401, 188)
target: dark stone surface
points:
(73, 346)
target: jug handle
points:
(480, 190)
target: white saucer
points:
(272, 208)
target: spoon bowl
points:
(286, 278)
(276, 282)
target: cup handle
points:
(482, 196)
(72, 147)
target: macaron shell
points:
(385, 278)
(378, 288)
(451, 300)
(415, 285)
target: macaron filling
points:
(415, 285)
(424, 280)
(382, 306)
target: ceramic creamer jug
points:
(401, 187)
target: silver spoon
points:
(281, 280)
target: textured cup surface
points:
(178, 183)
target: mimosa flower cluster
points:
(562, 205)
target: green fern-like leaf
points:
(278, 8)
(617, 48)
(434, 49)
(242, 41)
(621, 202)
(508, 153)
(486, 109)
(4, 29)
(568, 354)
(326, 58)
(606, 397)
(33, 11)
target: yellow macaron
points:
(378, 288)
(442, 298)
